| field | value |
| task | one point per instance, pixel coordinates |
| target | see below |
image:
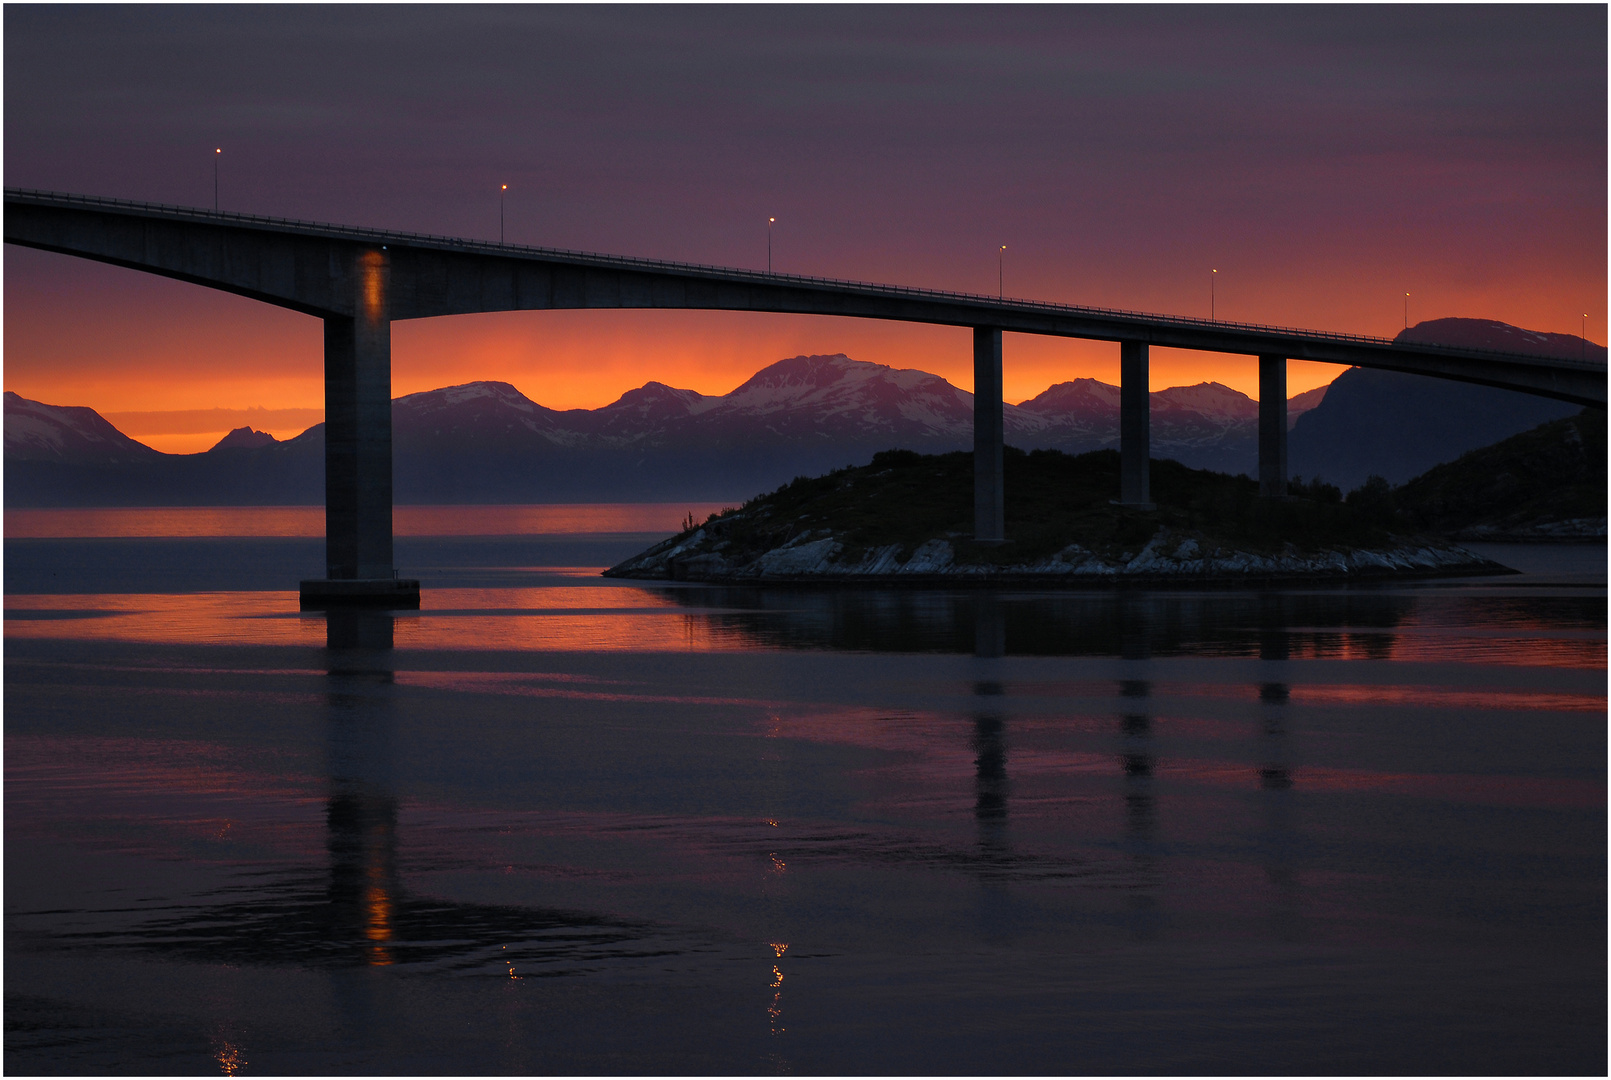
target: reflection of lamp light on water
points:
(774, 1011)
(230, 1057)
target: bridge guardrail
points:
(767, 277)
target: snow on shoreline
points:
(1168, 556)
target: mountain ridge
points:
(485, 441)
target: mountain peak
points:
(803, 371)
(490, 392)
(1210, 399)
(244, 438)
(865, 396)
(1500, 337)
(657, 398)
(1075, 396)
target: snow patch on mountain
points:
(1209, 399)
(1084, 397)
(448, 397)
(654, 399)
(1501, 337)
(69, 433)
(838, 384)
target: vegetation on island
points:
(1053, 499)
(1525, 485)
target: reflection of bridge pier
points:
(363, 895)
(1275, 784)
(361, 812)
(989, 738)
(1275, 772)
(1137, 762)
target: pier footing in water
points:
(396, 593)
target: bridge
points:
(358, 281)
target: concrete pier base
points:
(1273, 426)
(1135, 425)
(989, 507)
(322, 594)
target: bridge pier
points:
(358, 451)
(1273, 426)
(989, 508)
(1135, 425)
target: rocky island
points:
(906, 518)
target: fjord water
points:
(559, 823)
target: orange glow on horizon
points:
(123, 342)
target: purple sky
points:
(1324, 160)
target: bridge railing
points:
(739, 274)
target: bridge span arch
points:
(359, 281)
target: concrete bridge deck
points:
(360, 280)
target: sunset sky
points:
(1324, 160)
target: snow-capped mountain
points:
(488, 442)
(1079, 399)
(1501, 337)
(841, 396)
(69, 434)
(810, 411)
(1212, 401)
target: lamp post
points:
(769, 222)
(1213, 276)
(1583, 337)
(1001, 273)
(216, 155)
(501, 193)
(1406, 311)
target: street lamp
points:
(1406, 311)
(1001, 274)
(769, 222)
(216, 154)
(501, 193)
(1212, 277)
(1583, 337)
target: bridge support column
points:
(1135, 425)
(1273, 426)
(358, 451)
(989, 508)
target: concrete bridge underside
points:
(360, 281)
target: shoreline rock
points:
(1168, 558)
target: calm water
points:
(553, 823)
